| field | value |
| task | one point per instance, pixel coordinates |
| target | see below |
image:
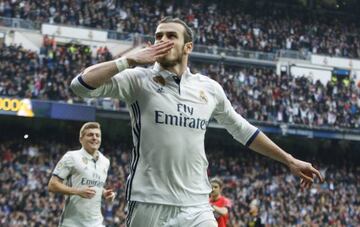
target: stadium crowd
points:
(215, 24)
(252, 180)
(260, 94)
(256, 93)
(26, 166)
(46, 75)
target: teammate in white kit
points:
(85, 173)
(170, 109)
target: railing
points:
(19, 23)
(235, 52)
(124, 36)
(293, 54)
(137, 38)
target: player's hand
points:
(109, 195)
(150, 54)
(305, 171)
(86, 193)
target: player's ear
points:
(188, 47)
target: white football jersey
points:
(169, 118)
(79, 169)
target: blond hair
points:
(88, 125)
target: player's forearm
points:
(263, 145)
(220, 210)
(59, 187)
(96, 75)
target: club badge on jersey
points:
(159, 80)
(85, 160)
(203, 97)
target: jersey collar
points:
(169, 75)
(89, 156)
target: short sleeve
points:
(128, 84)
(124, 86)
(234, 123)
(64, 166)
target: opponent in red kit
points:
(219, 203)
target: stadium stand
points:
(260, 94)
(46, 75)
(214, 24)
(256, 93)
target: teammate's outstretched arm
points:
(263, 145)
(96, 75)
(56, 185)
(253, 138)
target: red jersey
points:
(221, 202)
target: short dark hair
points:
(217, 181)
(188, 34)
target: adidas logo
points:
(160, 90)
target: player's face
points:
(91, 139)
(215, 189)
(175, 33)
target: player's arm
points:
(96, 75)
(63, 169)
(263, 145)
(220, 210)
(253, 138)
(56, 185)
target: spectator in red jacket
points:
(219, 203)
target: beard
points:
(168, 63)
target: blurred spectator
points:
(219, 203)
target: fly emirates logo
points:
(184, 118)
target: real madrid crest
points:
(60, 165)
(85, 160)
(159, 80)
(203, 97)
